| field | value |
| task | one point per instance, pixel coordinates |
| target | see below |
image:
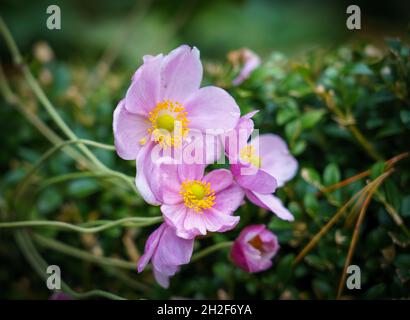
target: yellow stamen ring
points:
(169, 123)
(247, 154)
(197, 195)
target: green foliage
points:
(341, 111)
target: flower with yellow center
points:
(197, 195)
(247, 154)
(169, 124)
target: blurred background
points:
(307, 53)
(215, 26)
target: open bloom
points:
(254, 249)
(162, 105)
(261, 165)
(167, 252)
(194, 203)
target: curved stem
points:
(137, 222)
(38, 91)
(81, 254)
(211, 249)
(40, 266)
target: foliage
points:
(342, 112)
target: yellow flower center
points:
(247, 154)
(166, 122)
(169, 124)
(197, 195)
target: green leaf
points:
(82, 188)
(331, 174)
(377, 169)
(311, 205)
(310, 118)
(298, 147)
(312, 177)
(49, 200)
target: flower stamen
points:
(197, 195)
(247, 154)
(169, 124)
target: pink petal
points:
(129, 129)
(276, 158)
(181, 73)
(229, 199)
(219, 221)
(171, 252)
(257, 180)
(170, 184)
(147, 178)
(150, 247)
(190, 171)
(175, 216)
(212, 108)
(219, 179)
(143, 94)
(161, 278)
(270, 202)
(194, 223)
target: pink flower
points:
(162, 105)
(254, 249)
(194, 203)
(260, 165)
(249, 60)
(166, 252)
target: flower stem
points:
(211, 249)
(135, 222)
(81, 254)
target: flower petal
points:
(229, 199)
(219, 221)
(257, 180)
(276, 158)
(143, 94)
(194, 223)
(171, 252)
(175, 216)
(191, 171)
(212, 108)
(181, 73)
(150, 247)
(129, 129)
(270, 202)
(147, 178)
(219, 179)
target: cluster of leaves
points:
(341, 111)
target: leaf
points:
(377, 169)
(331, 174)
(49, 200)
(298, 147)
(311, 205)
(312, 177)
(82, 188)
(310, 118)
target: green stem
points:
(137, 222)
(211, 249)
(32, 82)
(81, 254)
(40, 266)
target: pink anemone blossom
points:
(167, 252)
(162, 105)
(194, 203)
(260, 165)
(254, 249)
